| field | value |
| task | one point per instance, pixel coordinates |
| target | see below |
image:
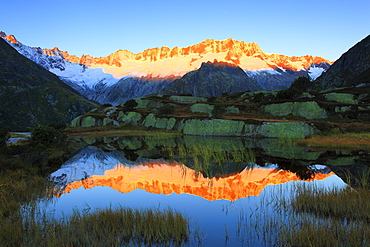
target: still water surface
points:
(228, 187)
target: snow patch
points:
(314, 72)
(84, 76)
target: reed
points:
(328, 217)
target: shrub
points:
(218, 111)
(130, 104)
(58, 126)
(212, 99)
(47, 136)
(4, 136)
(166, 109)
(300, 85)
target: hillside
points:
(352, 68)
(30, 95)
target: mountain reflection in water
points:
(221, 184)
(163, 177)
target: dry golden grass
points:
(340, 141)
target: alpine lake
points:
(234, 191)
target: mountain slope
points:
(350, 68)
(31, 95)
(213, 79)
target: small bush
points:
(212, 99)
(130, 104)
(47, 136)
(4, 136)
(166, 109)
(218, 111)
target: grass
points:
(108, 227)
(329, 217)
(338, 141)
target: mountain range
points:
(124, 75)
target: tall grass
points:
(109, 227)
(328, 217)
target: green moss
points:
(202, 108)
(309, 110)
(341, 98)
(150, 120)
(76, 122)
(88, 122)
(129, 117)
(165, 123)
(187, 99)
(342, 161)
(161, 123)
(286, 130)
(107, 121)
(282, 109)
(215, 127)
(342, 108)
(146, 103)
(232, 110)
(129, 144)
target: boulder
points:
(341, 98)
(76, 122)
(286, 130)
(202, 108)
(308, 110)
(129, 117)
(187, 99)
(214, 127)
(88, 122)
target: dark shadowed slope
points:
(351, 68)
(31, 95)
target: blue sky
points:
(320, 28)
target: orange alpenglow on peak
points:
(167, 178)
(174, 62)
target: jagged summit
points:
(175, 62)
(124, 74)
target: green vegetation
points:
(109, 227)
(332, 217)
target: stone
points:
(286, 130)
(232, 110)
(309, 110)
(76, 122)
(282, 109)
(88, 122)
(341, 98)
(202, 108)
(214, 127)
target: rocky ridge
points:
(156, 67)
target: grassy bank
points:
(338, 217)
